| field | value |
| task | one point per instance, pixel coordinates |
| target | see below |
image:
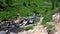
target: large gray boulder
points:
(2, 32)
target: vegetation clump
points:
(25, 8)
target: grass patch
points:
(49, 27)
(29, 28)
(26, 8)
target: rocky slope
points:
(40, 29)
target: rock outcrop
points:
(57, 28)
(56, 17)
(38, 29)
(55, 21)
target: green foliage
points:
(47, 17)
(8, 14)
(26, 8)
(29, 27)
(49, 27)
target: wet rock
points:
(3, 32)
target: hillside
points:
(11, 9)
(16, 14)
